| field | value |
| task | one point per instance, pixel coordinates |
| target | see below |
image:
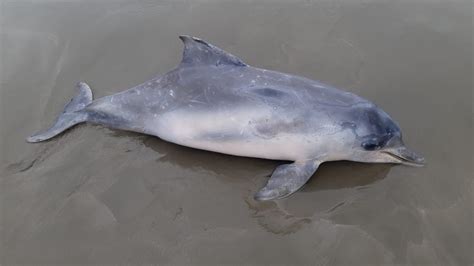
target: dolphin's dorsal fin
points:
(198, 52)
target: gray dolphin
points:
(214, 101)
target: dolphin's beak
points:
(405, 156)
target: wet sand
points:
(96, 195)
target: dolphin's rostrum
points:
(214, 101)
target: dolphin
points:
(214, 101)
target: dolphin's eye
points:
(370, 146)
(372, 143)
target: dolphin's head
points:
(379, 138)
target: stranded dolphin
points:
(214, 101)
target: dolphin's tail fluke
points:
(73, 114)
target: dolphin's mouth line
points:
(407, 161)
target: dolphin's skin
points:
(213, 101)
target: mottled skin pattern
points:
(214, 101)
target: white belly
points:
(230, 132)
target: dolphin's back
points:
(253, 84)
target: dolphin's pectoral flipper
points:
(287, 179)
(73, 114)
